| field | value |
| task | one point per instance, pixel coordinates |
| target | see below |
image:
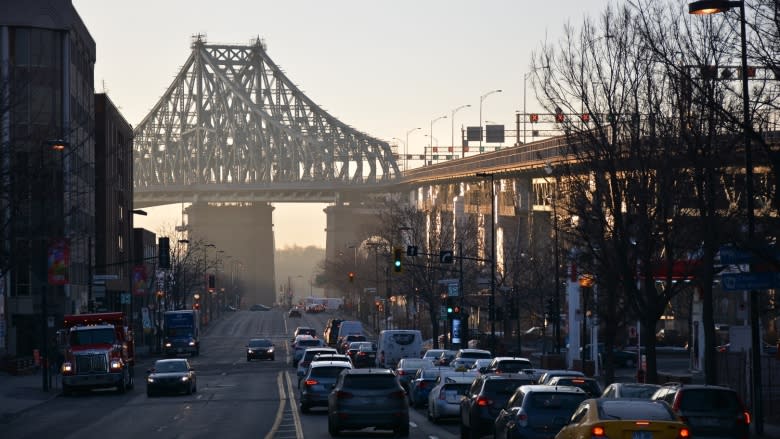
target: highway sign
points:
(749, 281)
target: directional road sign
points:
(749, 281)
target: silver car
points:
(444, 398)
(368, 398)
(318, 382)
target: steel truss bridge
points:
(233, 127)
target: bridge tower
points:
(246, 233)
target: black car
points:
(173, 375)
(485, 399)
(294, 312)
(709, 411)
(260, 349)
(259, 307)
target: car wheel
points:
(248, 359)
(402, 430)
(189, 389)
(149, 393)
(195, 388)
(304, 408)
(131, 383)
(333, 430)
(464, 432)
(428, 412)
(273, 358)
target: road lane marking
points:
(293, 408)
(280, 410)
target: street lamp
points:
(491, 176)
(481, 99)
(406, 147)
(705, 7)
(432, 122)
(548, 169)
(452, 142)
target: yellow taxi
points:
(624, 419)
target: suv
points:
(303, 342)
(318, 382)
(308, 356)
(709, 411)
(331, 332)
(368, 398)
(538, 411)
(467, 357)
(484, 400)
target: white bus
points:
(395, 344)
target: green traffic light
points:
(397, 263)
(449, 310)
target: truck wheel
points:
(122, 386)
(131, 384)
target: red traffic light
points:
(351, 276)
(196, 306)
(585, 117)
(533, 117)
(559, 117)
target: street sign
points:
(448, 281)
(750, 281)
(452, 290)
(730, 255)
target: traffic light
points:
(411, 250)
(446, 257)
(351, 276)
(212, 283)
(163, 253)
(549, 309)
(397, 255)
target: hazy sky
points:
(383, 67)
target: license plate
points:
(642, 435)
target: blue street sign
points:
(750, 281)
(730, 255)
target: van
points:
(395, 344)
(350, 327)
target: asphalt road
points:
(235, 398)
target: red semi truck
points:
(99, 352)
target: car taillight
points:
(401, 372)
(343, 395)
(423, 384)
(597, 431)
(399, 394)
(642, 422)
(521, 419)
(684, 433)
(484, 402)
(362, 354)
(311, 382)
(744, 417)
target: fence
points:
(733, 371)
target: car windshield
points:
(460, 388)
(646, 410)
(259, 343)
(503, 387)
(178, 332)
(637, 391)
(709, 399)
(555, 400)
(308, 342)
(170, 366)
(92, 336)
(326, 372)
(409, 363)
(513, 366)
(475, 355)
(307, 331)
(371, 382)
(403, 339)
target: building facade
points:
(47, 169)
(114, 207)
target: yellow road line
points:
(293, 409)
(280, 410)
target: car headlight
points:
(185, 378)
(168, 344)
(270, 349)
(67, 367)
(192, 343)
(149, 379)
(250, 351)
(116, 364)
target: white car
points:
(444, 398)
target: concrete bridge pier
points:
(347, 227)
(244, 232)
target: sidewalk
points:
(19, 393)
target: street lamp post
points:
(431, 134)
(548, 169)
(705, 7)
(452, 141)
(406, 147)
(206, 279)
(525, 114)
(492, 256)
(482, 99)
